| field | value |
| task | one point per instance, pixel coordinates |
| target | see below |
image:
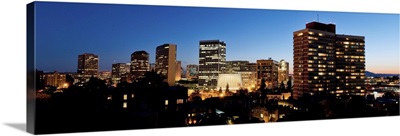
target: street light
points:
(65, 85)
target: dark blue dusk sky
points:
(65, 30)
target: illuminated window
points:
(311, 33)
(179, 101)
(109, 98)
(315, 77)
(166, 102)
(320, 34)
(300, 34)
(133, 95)
(125, 96)
(125, 105)
(345, 42)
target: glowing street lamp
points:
(65, 85)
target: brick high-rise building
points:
(326, 62)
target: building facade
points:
(267, 70)
(212, 58)
(192, 71)
(88, 66)
(104, 75)
(120, 72)
(178, 70)
(283, 72)
(166, 62)
(350, 65)
(139, 64)
(325, 62)
(235, 66)
(246, 69)
(55, 79)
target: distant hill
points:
(371, 74)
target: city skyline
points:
(113, 35)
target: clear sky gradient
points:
(65, 30)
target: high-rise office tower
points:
(139, 64)
(283, 72)
(267, 70)
(212, 57)
(120, 72)
(326, 62)
(166, 62)
(88, 66)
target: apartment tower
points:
(326, 62)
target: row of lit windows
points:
(354, 57)
(178, 101)
(320, 66)
(351, 43)
(318, 81)
(351, 77)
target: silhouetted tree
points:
(153, 78)
(69, 79)
(281, 87)
(389, 95)
(227, 88)
(289, 85)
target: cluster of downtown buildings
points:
(323, 62)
